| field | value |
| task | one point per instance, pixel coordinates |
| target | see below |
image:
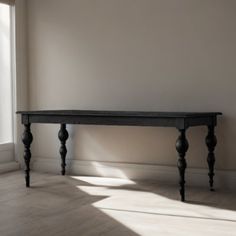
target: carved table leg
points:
(211, 142)
(63, 136)
(27, 139)
(182, 147)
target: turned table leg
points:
(211, 142)
(27, 139)
(63, 136)
(182, 147)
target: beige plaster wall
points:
(165, 55)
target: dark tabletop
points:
(119, 113)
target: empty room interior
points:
(117, 117)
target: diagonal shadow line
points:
(172, 215)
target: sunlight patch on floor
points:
(133, 206)
(150, 224)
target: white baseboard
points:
(6, 152)
(9, 166)
(194, 176)
(7, 162)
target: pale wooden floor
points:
(82, 206)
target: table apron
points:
(178, 122)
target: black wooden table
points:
(180, 120)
